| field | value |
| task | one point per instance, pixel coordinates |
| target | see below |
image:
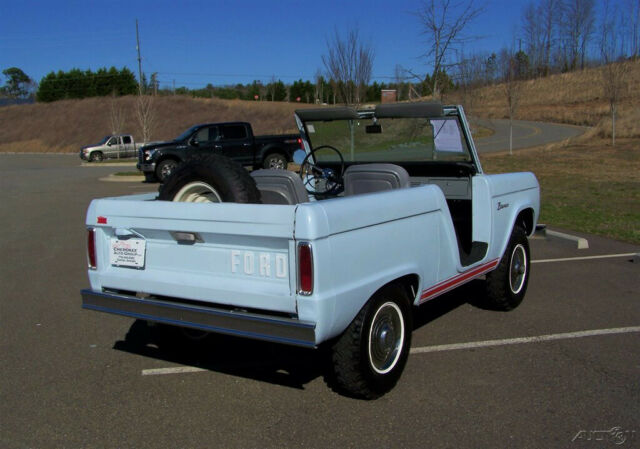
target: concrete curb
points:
(542, 232)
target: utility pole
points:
(139, 58)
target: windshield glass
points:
(186, 134)
(390, 139)
(103, 140)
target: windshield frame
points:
(432, 111)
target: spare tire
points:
(210, 179)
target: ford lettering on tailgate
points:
(260, 264)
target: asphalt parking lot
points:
(562, 370)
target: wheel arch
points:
(165, 157)
(525, 218)
(410, 283)
(272, 149)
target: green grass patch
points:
(592, 188)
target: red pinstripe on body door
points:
(457, 280)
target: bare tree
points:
(614, 73)
(578, 28)
(512, 87)
(534, 36)
(444, 23)
(146, 114)
(349, 63)
(116, 115)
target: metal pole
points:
(139, 59)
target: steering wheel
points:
(322, 181)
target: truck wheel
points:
(369, 357)
(212, 179)
(165, 168)
(96, 156)
(275, 161)
(507, 284)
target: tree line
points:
(78, 83)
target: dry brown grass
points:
(65, 126)
(575, 98)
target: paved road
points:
(525, 134)
(77, 379)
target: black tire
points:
(150, 177)
(165, 168)
(96, 156)
(276, 161)
(365, 366)
(211, 179)
(507, 284)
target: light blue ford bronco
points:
(390, 209)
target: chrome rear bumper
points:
(239, 323)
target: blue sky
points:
(224, 42)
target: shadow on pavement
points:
(263, 361)
(267, 362)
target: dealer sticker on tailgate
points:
(127, 253)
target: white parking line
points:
(176, 370)
(451, 347)
(521, 340)
(567, 259)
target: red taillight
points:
(91, 249)
(300, 143)
(305, 269)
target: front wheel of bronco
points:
(507, 284)
(369, 357)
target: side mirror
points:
(194, 142)
(298, 156)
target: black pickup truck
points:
(232, 139)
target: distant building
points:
(389, 96)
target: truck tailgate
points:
(239, 255)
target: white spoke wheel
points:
(507, 284)
(198, 192)
(370, 355)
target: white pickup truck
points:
(391, 209)
(111, 147)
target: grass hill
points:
(575, 98)
(65, 126)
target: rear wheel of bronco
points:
(213, 179)
(275, 161)
(369, 357)
(507, 284)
